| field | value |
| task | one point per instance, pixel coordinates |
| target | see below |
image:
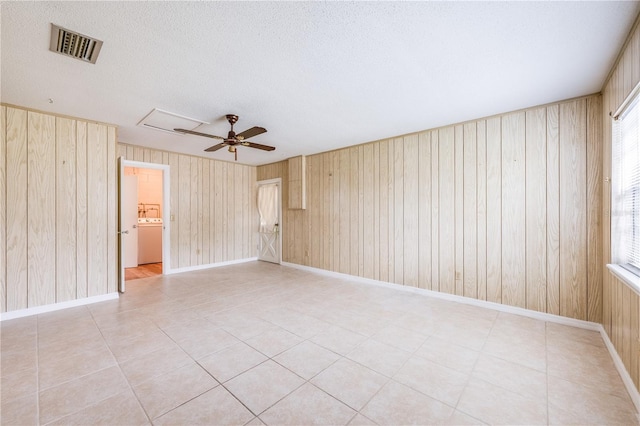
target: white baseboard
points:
(626, 378)
(455, 298)
(209, 265)
(624, 374)
(56, 306)
(110, 296)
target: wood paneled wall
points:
(213, 207)
(620, 303)
(623, 324)
(503, 209)
(57, 223)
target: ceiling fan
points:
(233, 139)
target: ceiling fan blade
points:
(215, 147)
(249, 133)
(192, 132)
(259, 146)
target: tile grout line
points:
(292, 297)
(77, 378)
(119, 367)
(480, 352)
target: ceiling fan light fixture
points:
(233, 149)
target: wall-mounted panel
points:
(16, 209)
(481, 217)
(81, 211)
(66, 209)
(494, 210)
(594, 207)
(59, 243)
(536, 209)
(425, 227)
(411, 211)
(446, 211)
(513, 210)
(97, 208)
(470, 210)
(112, 212)
(573, 209)
(41, 202)
(553, 211)
(297, 182)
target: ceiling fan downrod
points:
(232, 119)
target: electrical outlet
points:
(172, 217)
(458, 276)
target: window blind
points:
(625, 186)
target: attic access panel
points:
(165, 121)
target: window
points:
(625, 188)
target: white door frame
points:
(129, 220)
(277, 181)
(166, 213)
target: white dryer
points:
(149, 240)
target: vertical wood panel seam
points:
(586, 198)
(26, 190)
(86, 171)
(501, 210)
(55, 214)
(404, 212)
(559, 214)
(439, 211)
(525, 212)
(3, 243)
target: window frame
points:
(630, 274)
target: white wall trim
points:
(624, 374)
(460, 299)
(166, 204)
(627, 277)
(56, 306)
(209, 265)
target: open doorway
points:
(144, 216)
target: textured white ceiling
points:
(317, 75)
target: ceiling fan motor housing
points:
(231, 137)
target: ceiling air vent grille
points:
(71, 43)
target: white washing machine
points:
(149, 240)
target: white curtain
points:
(268, 207)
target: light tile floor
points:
(264, 344)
